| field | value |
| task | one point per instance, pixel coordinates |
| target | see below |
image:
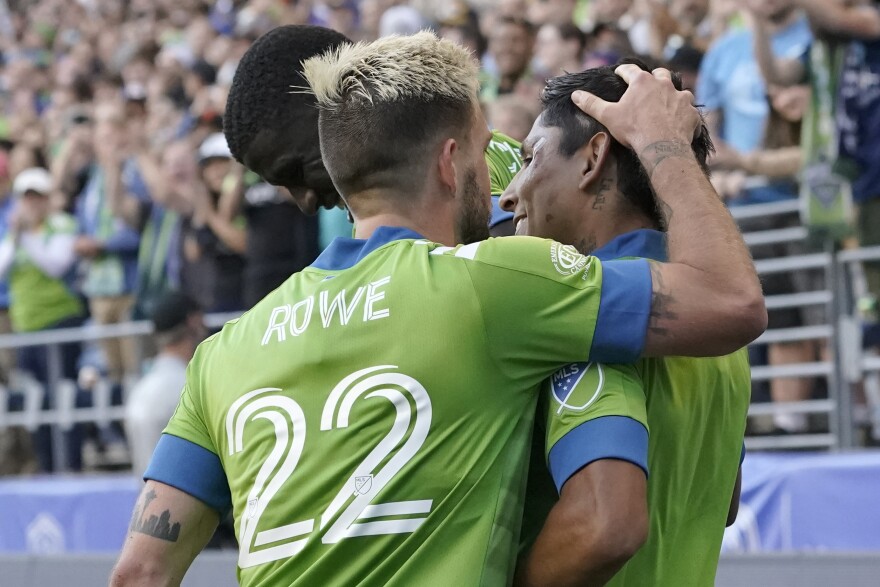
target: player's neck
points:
(621, 225)
(429, 228)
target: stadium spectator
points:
(212, 268)
(7, 202)
(558, 49)
(177, 330)
(732, 91)
(737, 109)
(510, 48)
(844, 133)
(678, 23)
(161, 249)
(37, 254)
(511, 114)
(106, 243)
(554, 12)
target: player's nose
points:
(509, 199)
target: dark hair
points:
(262, 100)
(578, 128)
(388, 147)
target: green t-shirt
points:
(39, 300)
(696, 410)
(373, 415)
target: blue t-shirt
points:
(859, 116)
(730, 81)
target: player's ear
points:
(446, 165)
(592, 158)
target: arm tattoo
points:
(662, 303)
(656, 153)
(156, 526)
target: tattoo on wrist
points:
(156, 526)
(662, 303)
(655, 153)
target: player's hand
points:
(651, 110)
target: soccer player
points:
(368, 422)
(583, 188)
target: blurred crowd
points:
(117, 186)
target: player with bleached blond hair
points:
(368, 422)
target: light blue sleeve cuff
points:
(608, 437)
(624, 310)
(192, 469)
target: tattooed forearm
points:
(655, 153)
(662, 303)
(156, 526)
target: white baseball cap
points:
(35, 179)
(214, 147)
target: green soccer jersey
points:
(696, 410)
(372, 416)
(504, 158)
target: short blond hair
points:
(420, 66)
(386, 105)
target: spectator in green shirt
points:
(37, 255)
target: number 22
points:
(363, 485)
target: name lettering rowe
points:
(296, 318)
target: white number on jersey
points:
(359, 516)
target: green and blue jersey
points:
(369, 421)
(696, 412)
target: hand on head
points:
(650, 111)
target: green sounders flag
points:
(826, 193)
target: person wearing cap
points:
(37, 255)
(177, 330)
(213, 238)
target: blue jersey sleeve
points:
(610, 437)
(624, 310)
(593, 412)
(192, 469)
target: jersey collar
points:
(648, 244)
(344, 253)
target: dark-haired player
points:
(582, 187)
(272, 126)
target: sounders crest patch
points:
(568, 391)
(567, 259)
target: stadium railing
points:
(845, 366)
(62, 412)
(836, 407)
